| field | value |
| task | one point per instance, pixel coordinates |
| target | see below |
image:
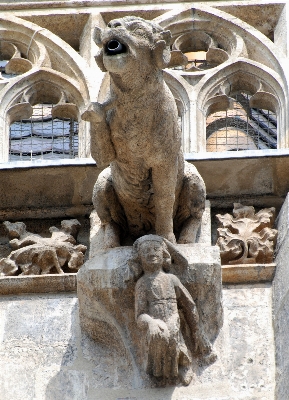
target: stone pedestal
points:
(106, 287)
(97, 231)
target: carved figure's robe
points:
(158, 297)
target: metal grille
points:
(43, 137)
(241, 128)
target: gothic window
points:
(241, 127)
(203, 51)
(43, 137)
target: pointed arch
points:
(245, 76)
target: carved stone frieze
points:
(33, 254)
(247, 237)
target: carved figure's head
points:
(130, 43)
(151, 253)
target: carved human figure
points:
(158, 298)
(148, 186)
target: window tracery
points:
(207, 45)
(203, 51)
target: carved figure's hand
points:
(158, 328)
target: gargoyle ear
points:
(162, 54)
(97, 35)
(99, 61)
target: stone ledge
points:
(37, 284)
(248, 273)
(67, 283)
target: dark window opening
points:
(43, 137)
(241, 128)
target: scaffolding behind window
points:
(43, 137)
(241, 128)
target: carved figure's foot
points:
(111, 236)
(185, 375)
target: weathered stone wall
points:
(44, 355)
(281, 304)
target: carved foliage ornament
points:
(34, 255)
(246, 237)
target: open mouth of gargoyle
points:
(114, 47)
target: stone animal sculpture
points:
(158, 298)
(34, 255)
(148, 186)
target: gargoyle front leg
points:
(164, 179)
(101, 147)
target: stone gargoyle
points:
(148, 187)
(33, 254)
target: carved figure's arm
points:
(101, 146)
(187, 304)
(177, 257)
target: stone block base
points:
(106, 292)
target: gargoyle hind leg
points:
(108, 209)
(164, 181)
(191, 205)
